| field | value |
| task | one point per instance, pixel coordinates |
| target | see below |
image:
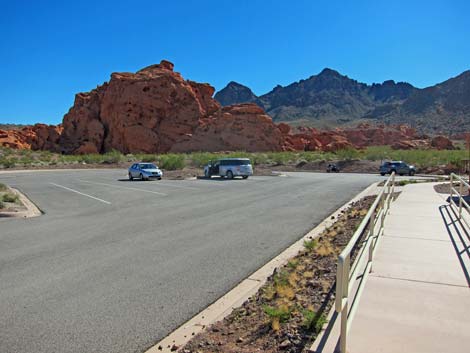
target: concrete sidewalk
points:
(417, 298)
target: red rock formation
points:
(37, 137)
(156, 110)
(13, 139)
(442, 143)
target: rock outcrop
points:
(156, 110)
(36, 137)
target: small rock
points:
(174, 348)
(285, 344)
(240, 340)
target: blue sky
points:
(51, 50)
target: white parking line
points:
(123, 187)
(81, 193)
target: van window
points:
(234, 162)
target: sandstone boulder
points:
(155, 111)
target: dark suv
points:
(399, 167)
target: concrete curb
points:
(246, 288)
(31, 209)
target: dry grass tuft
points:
(324, 249)
(285, 292)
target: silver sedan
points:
(144, 171)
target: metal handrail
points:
(454, 178)
(368, 233)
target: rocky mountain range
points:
(156, 110)
(331, 99)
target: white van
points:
(229, 167)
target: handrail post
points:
(372, 225)
(344, 304)
(460, 198)
(451, 186)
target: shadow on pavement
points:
(136, 180)
(218, 178)
(459, 237)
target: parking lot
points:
(114, 265)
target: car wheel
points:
(245, 177)
(159, 178)
(142, 177)
(230, 174)
(382, 174)
(130, 177)
(411, 173)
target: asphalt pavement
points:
(114, 266)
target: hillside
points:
(331, 99)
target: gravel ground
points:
(289, 310)
(444, 188)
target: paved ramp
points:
(417, 298)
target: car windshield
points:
(148, 166)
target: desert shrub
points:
(9, 162)
(310, 244)
(3, 187)
(9, 197)
(281, 158)
(147, 158)
(283, 313)
(313, 320)
(112, 157)
(92, 158)
(200, 159)
(45, 156)
(26, 161)
(172, 161)
(277, 315)
(348, 154)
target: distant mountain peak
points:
(234, 83)
(235, 93)
(329, 72)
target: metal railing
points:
(462, 204)
(353, 276)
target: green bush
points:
(310, 244)
(3, 187)
(112, 157)
(172, 161)
(283, 314)
(2, 205)
(9, 162)
(313, 321)
(200, 159)
(148, 158)
(8, 197)
(348, 154)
